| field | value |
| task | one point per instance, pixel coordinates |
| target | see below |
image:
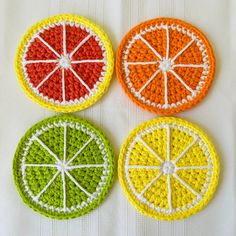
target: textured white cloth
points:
(117, 116)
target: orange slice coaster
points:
(165, 65)
(65, 63)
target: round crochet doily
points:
(168, 168)
(165, 65)
(63, 167)
(64, 63)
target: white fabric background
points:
(117, 116)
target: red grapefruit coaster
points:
(165, 65)
(65, 63)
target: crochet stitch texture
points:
(165, 65)
(63, 167)
(168, 168)
(65, 63)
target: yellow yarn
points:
(102, 87)
(168, 168)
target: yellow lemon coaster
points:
(168, 168)
(64, 63)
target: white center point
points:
(61, 166)
(64, 62)
(168, 168)
(165, 65)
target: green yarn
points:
(63, 184)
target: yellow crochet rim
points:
(140, 206)
(102, 86)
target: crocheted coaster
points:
(63, 167)
(168, 168)
(64, 63)
(165, 65)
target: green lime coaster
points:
(63, 167)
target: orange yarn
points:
(165, 65)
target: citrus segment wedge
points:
(176, 172)
(165, 65)
(63, 167)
